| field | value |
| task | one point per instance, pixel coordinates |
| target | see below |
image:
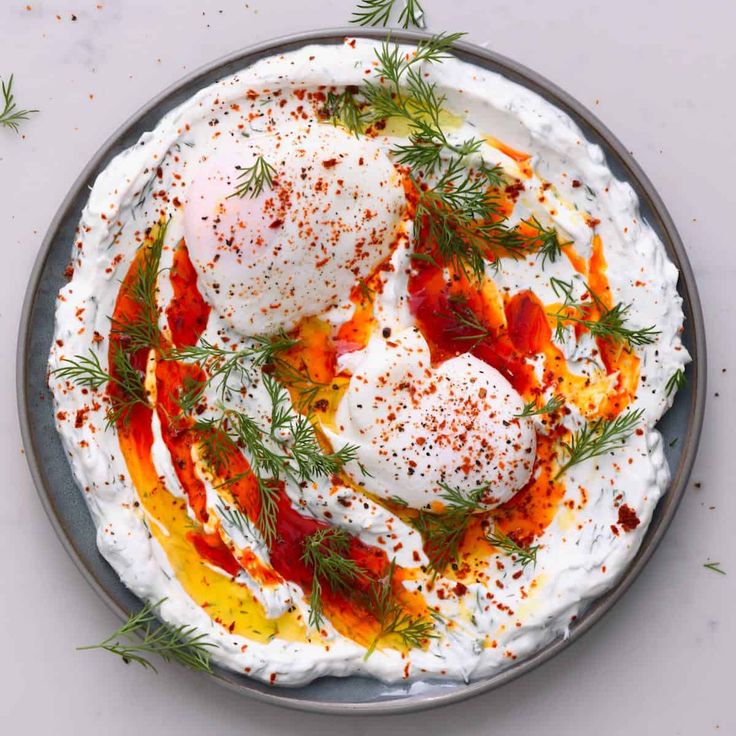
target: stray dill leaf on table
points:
(714, 567)
(143, 635)
(378, 13)
(11, 117)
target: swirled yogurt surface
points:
(430, 380)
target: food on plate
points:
(359, 367)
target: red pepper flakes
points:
(627, 518)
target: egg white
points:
(330, 216)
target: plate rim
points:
(687, 286)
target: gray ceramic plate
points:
(65, 505)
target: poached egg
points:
(418, 427)
(330, 216)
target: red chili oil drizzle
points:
(187, 312)
(505, 343)
(435, 304)
(187, 315)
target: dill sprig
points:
(467, 325)
(142, 332)
(288, 448)
(546, 239)
(300, 380)
(190, 395)
(224, 364)
(412, 14)
(610, 325)
(714, 567)
(325, 551)
(219, 439)
(458, 210)
(411, 97)
(521, 555)
(132, 389)
(134, 334)
(459, 216)
(143, 634)
(11, 117)
(254, 179)
(676, 381)
(393, 619)
(598, 437)
(235, 518)
(84, 370)
(344, 109)
(531, 409)
(443, 533)
(378, 13)
(87, 371)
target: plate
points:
(65, 505)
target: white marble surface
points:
(660, 74)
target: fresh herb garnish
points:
(676, 381)
(254, 179)
(141, 331)
(598, 437)
(610, 325)
(378, 13)
(393, 619)
(467, 325)
(460, 219)
(455, 207)
(190, 395)
(325, 551)
(143, 634)
(547, 240)
(87, 371)
(412, 98)
(235, 518)
(443, 532)
(531, 409)
(300, 381)
(344, 109)
(521, 555)
(11, 117)
(84, 370)
(287, 449)
(224, 364)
